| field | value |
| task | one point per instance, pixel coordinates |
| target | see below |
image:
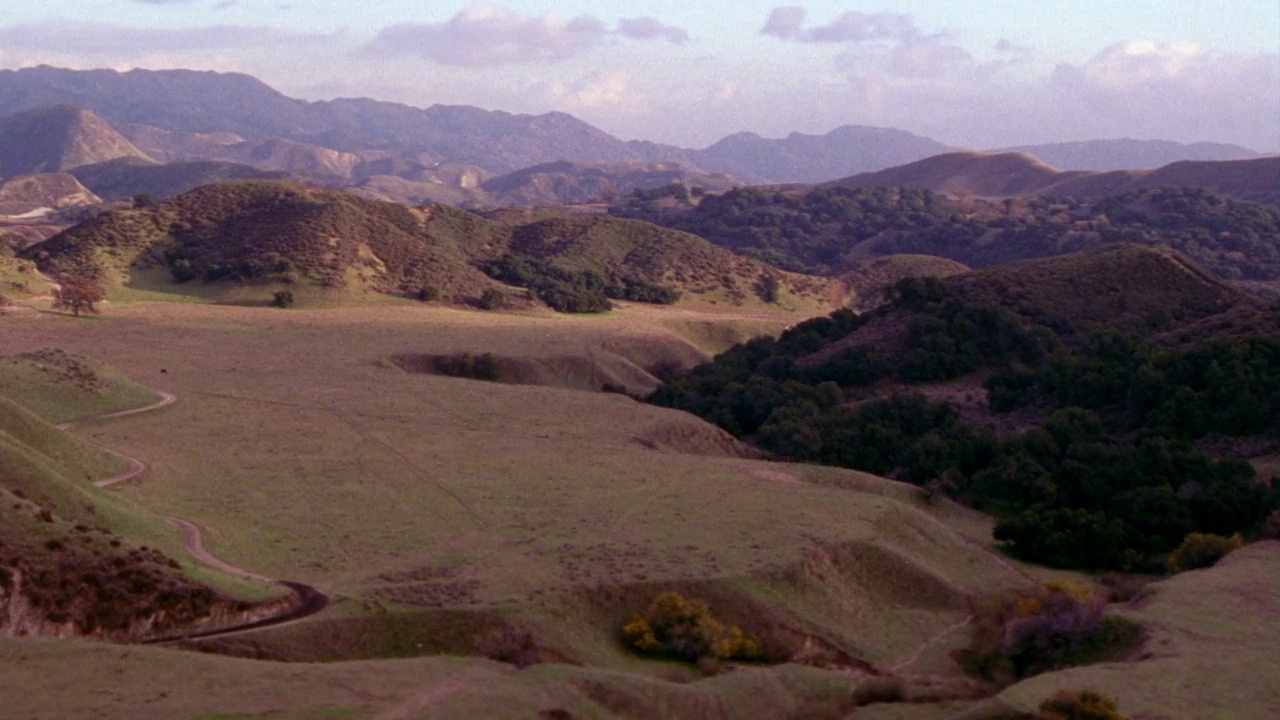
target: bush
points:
(1060, 624)
(686, 629)
(283, 299)
(1201, 550)
(1080, 705)
(510, 645)
(465, 365)
(427, 293)
(879, 690)
(492, 299)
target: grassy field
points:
(427, 503)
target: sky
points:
(973, 73)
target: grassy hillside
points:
(61, 387)
(72, 557)
(456, 508)
(223, 239)
(824, 229)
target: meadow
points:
(435, 509)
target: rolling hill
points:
(1128, 154)
(1019, 174)
(262, 234)
(54, 139)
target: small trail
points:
(910, 659)
(310, 599)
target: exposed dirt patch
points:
(697, 438)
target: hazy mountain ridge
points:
(183, 114)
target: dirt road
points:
(310, 599)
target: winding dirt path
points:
(310, 599)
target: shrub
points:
(427, 293)
(283, 299)
(767, 288)
(465, 365)
(1060, 624)
(492, 299)
(510, 645)
(1202, 550)
(880, 690)
(1080, 705)
(686, 629)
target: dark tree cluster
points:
(813, 231)
(1110, 479)
(575, 291)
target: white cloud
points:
(647, 28)
(488, 36)
(92, 40)
(787, 23)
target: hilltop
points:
(58, 138)
(1127, 154)
(235, 236)
(1019, 174)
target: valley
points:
(351, 409)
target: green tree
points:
(78, 293)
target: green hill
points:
(226, 239)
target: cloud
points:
(647, 28)
(787, 23)
(488, 36)
(162, 2)
(100, 39)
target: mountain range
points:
(182, 115)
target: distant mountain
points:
(27, 194)
(1017, 174)
(57, 138)
(967, 173)
(126, 177)
(273, 154)
(816, 158)
(187, 115)
(1127, 154)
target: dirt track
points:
(310, 599)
